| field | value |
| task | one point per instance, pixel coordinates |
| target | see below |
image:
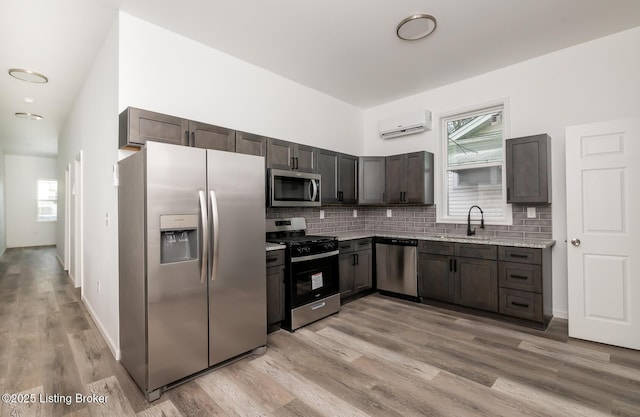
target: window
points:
(473, 161)
(47, 200)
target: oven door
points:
(293, 189)
(312, 278)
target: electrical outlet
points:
(355, 213)
(321, 214)
(531, 212)
(107, 219)
(388, 212)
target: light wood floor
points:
(378, 357)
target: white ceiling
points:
(345, 48)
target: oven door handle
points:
(314, 257)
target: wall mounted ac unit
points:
(405, 124)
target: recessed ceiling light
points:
(416, 27)
(29, 116)
(28, 75)
(28, 100)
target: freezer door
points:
(177, 290)
(237, 278)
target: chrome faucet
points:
(473, 232)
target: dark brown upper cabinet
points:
(137, 126)
(290, 156)
(528, 161)
(409, 178)
(251, 144)
(202, 135)
(339, 177)
(371, 180)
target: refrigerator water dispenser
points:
(178, 238)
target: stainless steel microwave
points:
(293, 189)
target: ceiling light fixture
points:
(29, 116)
(28, 75)
(416, 27)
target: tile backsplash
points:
(415, 220)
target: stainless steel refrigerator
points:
(191, 261)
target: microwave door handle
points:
(315, 190)
(216, 234)
(205, 236)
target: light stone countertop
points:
(274, 246)
(483, 240)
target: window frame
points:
(442, 189)
(38, 200)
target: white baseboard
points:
(561, 314)
(115, 350)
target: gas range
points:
(311, 272)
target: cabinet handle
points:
(401, 196)
(513, 303)
(293, 163)
(297, 162)
(353, 260)
(193, 138)
(186, 137)
(357, 259)
(455, 265)
(272, 259)
(518, 255)
(518, 277)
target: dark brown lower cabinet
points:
(436, 276)
(512, 281)
(275, 287)
(476, 283)
(355, 267)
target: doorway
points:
(75, 224)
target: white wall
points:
(92, 127)
(168, 73)
(3, 239)
(21, 177)
(590, 82)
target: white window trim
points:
(441, 164)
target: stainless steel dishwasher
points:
(396, 266)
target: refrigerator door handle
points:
(205, 236)
(216, 234)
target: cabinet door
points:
(250, 144)
(394, 171)
(346, 270)
(305, 158)
(275, 294)
(414, 177)
(137, 126)
(279, 154)
(528, 165)
(418, 178)
(363, 273)
(347, 179)
(371, 180)
(435, 278)
(328, 169)
(476, 283)
(211, 137)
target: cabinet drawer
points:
(362, 244)
(275, 258)
(345, 247)
(478, 251)
(435, 247)
(523, 255)
(524, 277)
(523, 304)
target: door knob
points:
(575, 242)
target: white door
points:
(603, 231)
